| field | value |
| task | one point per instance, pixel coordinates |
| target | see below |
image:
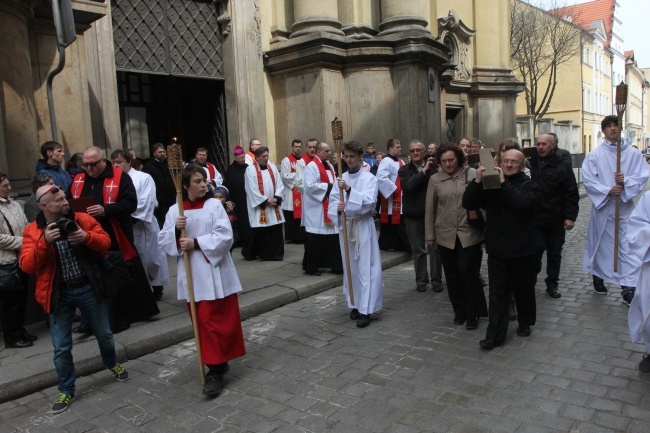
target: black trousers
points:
(462, 267)
(550, 239)
(394, 237)
(266, 243)
(293, 232)
(322, 251)
(518, 273)
(13, 304)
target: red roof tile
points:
(586, 13)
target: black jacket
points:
(165, 189)
(510, 211)
(414, 189)
(559, 196)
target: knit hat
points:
(221, 190)
(238, 150)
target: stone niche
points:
(377, 87)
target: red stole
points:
(325, 179)
(397, 203)
(212, 170)
(111, 191)
(252, 155)
(297, 199)
(260, 186)
(307, 158)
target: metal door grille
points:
(450, 131)
(177, 37)
(218, 137)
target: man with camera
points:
(414, 178)
(60, 248)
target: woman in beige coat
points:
(459, 243)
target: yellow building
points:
(217, 74)
(637, 102)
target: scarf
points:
(397, 203)
(297, 202)
(325, 179)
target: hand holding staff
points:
(621, 101)
(175, 161)
(337, 135)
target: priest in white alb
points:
(360, 192)
(292, 203)
(264, 191)
(603, 185)
(145, 226)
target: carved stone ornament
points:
(224, 17)
(455, 35)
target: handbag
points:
(10, 275)
(116, 274)
(475, 217)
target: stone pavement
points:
(309, 369)
(267, 285)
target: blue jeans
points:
(94, 310)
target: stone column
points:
(360, 18)
(315, 16)
(400, 16)
(19, 114)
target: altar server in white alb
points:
(638, 237)
(264, 190)
(145, 226)
(603, 184)
(360, 198)
(215, 280)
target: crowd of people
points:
(434, 205)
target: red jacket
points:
(39, 257)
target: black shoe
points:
(599, 285)
(553, 291)
(523, 331)
(82, 329)
(20, 344)
(363, 320)
(489, 344)
(314, 273)
(472, 323)
(627, 298)
(644, 366)
(354, 314)
(421, 289)
(157, 293)
(30, 337)
(459, 320)
(213, 385)
(437, 289)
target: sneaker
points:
(120, 374)
(61, 404)
(599, 286)
(644, 366)
(213, 385)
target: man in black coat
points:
(414, 178)
(510, 245)
(556, 209)
(158, 168)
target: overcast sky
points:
(635, 16)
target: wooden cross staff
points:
(337, 135)
(621, 101)
(175, 161)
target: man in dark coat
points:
(556, 209)
(165, 190)
(510, 245)
(235, 181)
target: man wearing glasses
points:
(510, 245)
(115, 200)
(66, 279)
(414, 178)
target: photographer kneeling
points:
(60, 248)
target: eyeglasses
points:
(91, 164)
(416, 150)
(511, 161)
(53, 190)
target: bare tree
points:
(540, 43)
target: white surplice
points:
(145, 230)
(213, 272)
(254, 198)
(289, 181)
(313, 211)
(598, 175)
(638, 237)
(365, 259)
(386, 177)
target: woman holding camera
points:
(13, 294)
(459, 243)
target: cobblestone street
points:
(309, 368)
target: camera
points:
(66, 226)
